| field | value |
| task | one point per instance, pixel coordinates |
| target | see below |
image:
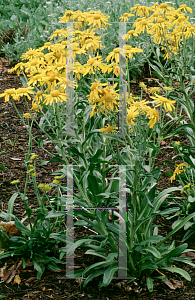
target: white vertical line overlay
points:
(122, 261)
(69, 77)
(69, 221)
(122, 80)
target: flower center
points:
(39, 93)
(55, 93)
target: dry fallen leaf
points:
(17, 279)
(188, 254)
(174, 284)
(2, 270)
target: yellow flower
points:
(179, 169)
(20, 66)
(129, 34)
(31, 170)
(108, 129)
(168, 104)
(185, 8)
(27, 115)
(153, 90)
(186, 186)
(177, 143)
(99, 20)
(131, 115)
(58, 177)
(56, 181)
(59, 32)
(153, 116)
(35, 106)
(168, 88)
(9, 93)
(125, 17)
(45, 187)
(33, 157)
(127, 51)
(92, 65)
(24, 92)
(32, 53)
(15, 182)
(143, 86)
(33, 174)
(95, 91)
(54, 96)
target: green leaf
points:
(93, 275)
(148, 266)
(175, 252)
(43, 162)
(53, 266)
(55, 214)
(2, 167)
(77, 244)
(149, 283)
(93, 252)
(179, 271)
(109, 273)
(152, 239)
(22, 228)
(152, 250)
(178, 227)
(185, 260)
(97, 265)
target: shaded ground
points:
(54, 285)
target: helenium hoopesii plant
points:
(86, 89)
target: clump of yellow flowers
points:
(47, 67)
(167, 26)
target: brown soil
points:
(54, 285)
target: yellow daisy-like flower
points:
(95, 91)
(27, 116)
(9, 93)
(109, 129)
(18, 68)
(92, 64)
(126, 51)
(35, 106)
(185, 8)
(129, 34)
(108, 99)
(132, 113)
(24, 92)
(45, 187)
(153, 116)
(143, 86)
(59, 32)
(32, 54)
(54, 96)
(168, 104)
(15, 181)
(125, 16)
(154, 90)
(99, 20)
